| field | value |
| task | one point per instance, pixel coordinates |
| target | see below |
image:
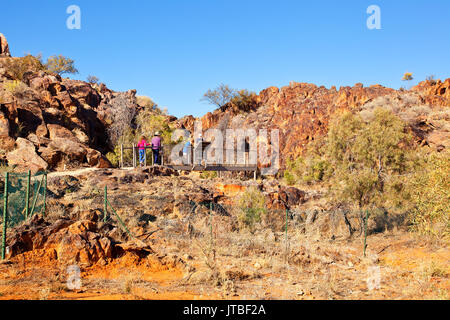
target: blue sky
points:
(174, 51)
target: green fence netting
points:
(23, 195)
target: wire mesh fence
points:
(24, 195)
(216, 229)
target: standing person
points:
(142, 145)
(198, 151)
(156, 148)
(187, 151)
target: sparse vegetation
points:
(430, 190)
(369, 161)
(17, 67)
(15, 87)
(220, 96)
(61, 65)
(224, 94)
(251, 206)
(408, 76)
(92, 79)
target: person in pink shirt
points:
(142, 145)
(156, 148)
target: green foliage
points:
(220, 95)
(244, 100)
(150, 120)
(17, 67)
(369, 159)
(224, 94)
(306, 170)
(251, 205)
(363, 163)
(208, 175)
(114, 157)
(14, 87)
(408, 76)
(61, 65)
(430, 191)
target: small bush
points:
(244, 100)
(16, 88)
(306, 170)
(93, 79)
(17, 67)
(61, 65)
(430, 190)
(208, 175)
(114, 157)
(251, 205)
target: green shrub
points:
(208, 175)
(430, 191)
(243, 99)
(251, 205)
(61, 65)
(114, 157)
(17, 67)
(306, 170)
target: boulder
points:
(96, 159)
(25, 157)
(285, 198)
(57, 131)
(6, 142)
(4, 48)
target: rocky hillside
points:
(48, 122)
(302, 111)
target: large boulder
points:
(4, 48)
(25, 157)
(74, 151)
(6, 142)
(96, 159)
(69, 242)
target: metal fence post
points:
(134, 156)
(36, 196)
(45, 194)
(365, 232)
(286, 235)
(5, 215)
(105, 208)
(210, 222)
(27, 199)
(153, 158)
(145, 157)
(121, 156)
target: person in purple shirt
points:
(156, 148)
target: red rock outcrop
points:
(435, 92)
(4, 48)
(302, 111)
(65, 121)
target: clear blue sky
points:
(173, 51)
